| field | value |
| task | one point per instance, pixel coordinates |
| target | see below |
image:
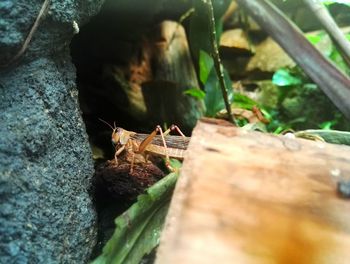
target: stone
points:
(46, 166)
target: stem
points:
(217, 60)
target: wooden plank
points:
(249, 197)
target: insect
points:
(138, 147)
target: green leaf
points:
(206, 63)
(337, 58)
(243, 101)
(214, 101)
(328, 124)
(283, 77)
(330, 136)
(314, 39)
(196, 93)
(138, 229)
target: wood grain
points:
(249, 197)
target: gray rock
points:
(46, 212)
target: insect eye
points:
(115, 138)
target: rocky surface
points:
(46, 212)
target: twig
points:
(186, 15)
(216, 58)
(331, 27)
(41, 14)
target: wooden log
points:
(173, 74)
(249, 197)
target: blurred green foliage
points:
(345, 2)
(301, 104)
(213, 99)
(196, 93)
(330, 51)
(244, 102)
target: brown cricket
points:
(139, 146)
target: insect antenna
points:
(108, 124)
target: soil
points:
(120, 181)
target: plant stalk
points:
(217, 61)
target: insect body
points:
(139, 146)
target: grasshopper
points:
(139, 146)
